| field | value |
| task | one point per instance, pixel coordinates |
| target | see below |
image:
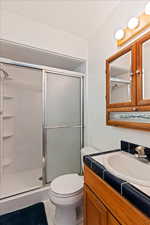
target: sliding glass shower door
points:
(63, 124)
(21, 129)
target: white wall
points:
(22, 30)
(101, 46)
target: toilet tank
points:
(87, 151)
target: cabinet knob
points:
(134, 109)
(138, 72)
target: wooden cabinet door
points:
(112, 220)
(94, 211)
(121, 79)
(142, 73)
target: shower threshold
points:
(20, 182)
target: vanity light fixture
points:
(147, 8)
(119, 35)
(133, 23)
(135, 26)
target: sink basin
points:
(128, 168)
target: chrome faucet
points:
(141, 152)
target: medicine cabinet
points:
(128, 86)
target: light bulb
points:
(133, 23)
(147, 9)
(119, 34)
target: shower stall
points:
(41, 125)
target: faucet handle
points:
(140, 150)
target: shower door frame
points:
(45, 128)
(44, 73)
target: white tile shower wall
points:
(102, 45)
(25, 147)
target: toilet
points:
(66, 193)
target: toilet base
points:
(67, 216)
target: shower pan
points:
(41, 125)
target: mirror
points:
(120, 79)
(127, 86)
(146, 70)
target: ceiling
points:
(79, 17)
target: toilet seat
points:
(68, 185)
(65, 196)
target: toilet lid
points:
(67, 184)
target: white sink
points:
(128, 168)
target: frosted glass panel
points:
(63, 152)
(63, 112)
(63, 100)
(22, 130)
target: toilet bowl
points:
(66, 193)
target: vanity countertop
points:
(138, 194)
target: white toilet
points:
(66, 193)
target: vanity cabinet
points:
(127, 86)
(105, 206)
(95, 212)
(112, 220)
